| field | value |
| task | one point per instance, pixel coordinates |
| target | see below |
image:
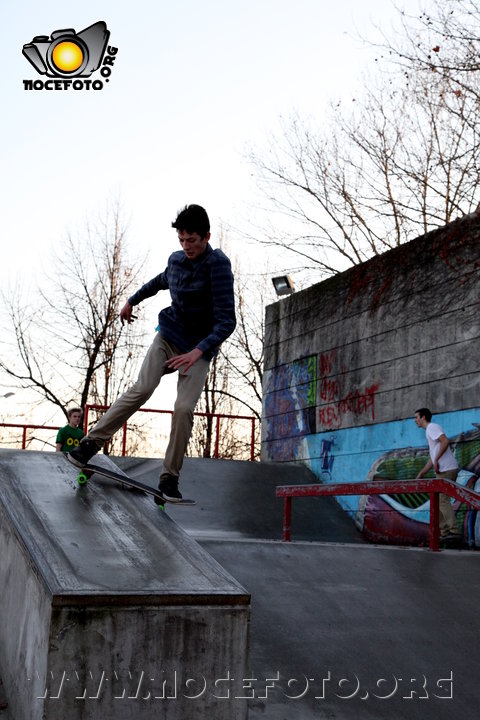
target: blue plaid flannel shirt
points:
(202, 312)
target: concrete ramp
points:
(109, 609)
(236, 500)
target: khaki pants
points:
(448, 521)
(189, 388)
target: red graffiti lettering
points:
(329, 390)
(326, 363)
(355, 403)
(329, 417)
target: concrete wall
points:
(24, 620)
(108, 608)
(348, 360)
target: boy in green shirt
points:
(69, 437)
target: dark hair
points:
(424, 412)
(193, 218)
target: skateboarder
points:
(201, 316)
(444, 465)
(69, 436)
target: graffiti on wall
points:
(337, 401)
(290, 401)
(291, 413)
(327, 457)
(292, 418)
(404, 519)
(311, 395)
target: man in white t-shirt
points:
(444, 465)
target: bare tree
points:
(211, 402)
(70, 346)
(402, 160)
(243, 351)
(234, 383)
(441, 41)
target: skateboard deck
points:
(107, 468)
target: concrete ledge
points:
(108, 608)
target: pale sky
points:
(193, 85)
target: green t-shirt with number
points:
(69, 437)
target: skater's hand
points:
(184, 362)
(126, 314)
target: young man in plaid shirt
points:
(201, 316)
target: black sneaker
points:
(83, 453)
(452, 537)
(168, 486)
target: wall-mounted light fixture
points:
(283, 285)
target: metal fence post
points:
(287, 518)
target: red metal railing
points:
(432, 486)
(217, 416)
(24, 429)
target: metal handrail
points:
(218, 417)
(432, 486)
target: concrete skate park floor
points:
(339, 628)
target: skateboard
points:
(108, 469)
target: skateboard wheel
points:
(82, 478)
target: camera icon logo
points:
(68, 54)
